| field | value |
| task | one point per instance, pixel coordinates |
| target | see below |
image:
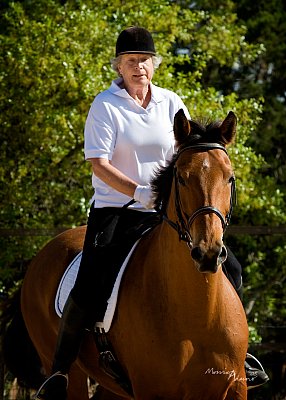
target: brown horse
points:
(180, 331)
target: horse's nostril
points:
(197, 254)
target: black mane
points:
(201, 133)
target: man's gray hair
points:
(116, 61)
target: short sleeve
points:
(99, 132)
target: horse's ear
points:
(182, 127)
(228, 128)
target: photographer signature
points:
(231, 374)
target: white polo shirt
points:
(137, 141)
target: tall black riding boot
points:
(68, 343)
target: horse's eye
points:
(181, 180)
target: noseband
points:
(184, 222)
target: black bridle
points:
(184, 222)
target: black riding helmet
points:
(135, 40)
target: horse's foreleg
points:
(238, 391)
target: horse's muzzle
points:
(208, 261)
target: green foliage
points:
(264, 25)
(266, 22)
(55, 57)
(264, 275)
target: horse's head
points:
(204, 186)
(202, 192)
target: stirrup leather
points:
(108, 362)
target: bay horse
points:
(179, 331)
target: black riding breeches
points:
(106, 245)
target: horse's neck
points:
(178, 279)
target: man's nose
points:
(139, 64)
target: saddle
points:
(115, 251)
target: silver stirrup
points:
(58, 373)
(248, 355)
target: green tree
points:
(266, 22)
(263, 22)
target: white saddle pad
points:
(68, 280)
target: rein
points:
(184, 222)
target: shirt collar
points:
(156, 94)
